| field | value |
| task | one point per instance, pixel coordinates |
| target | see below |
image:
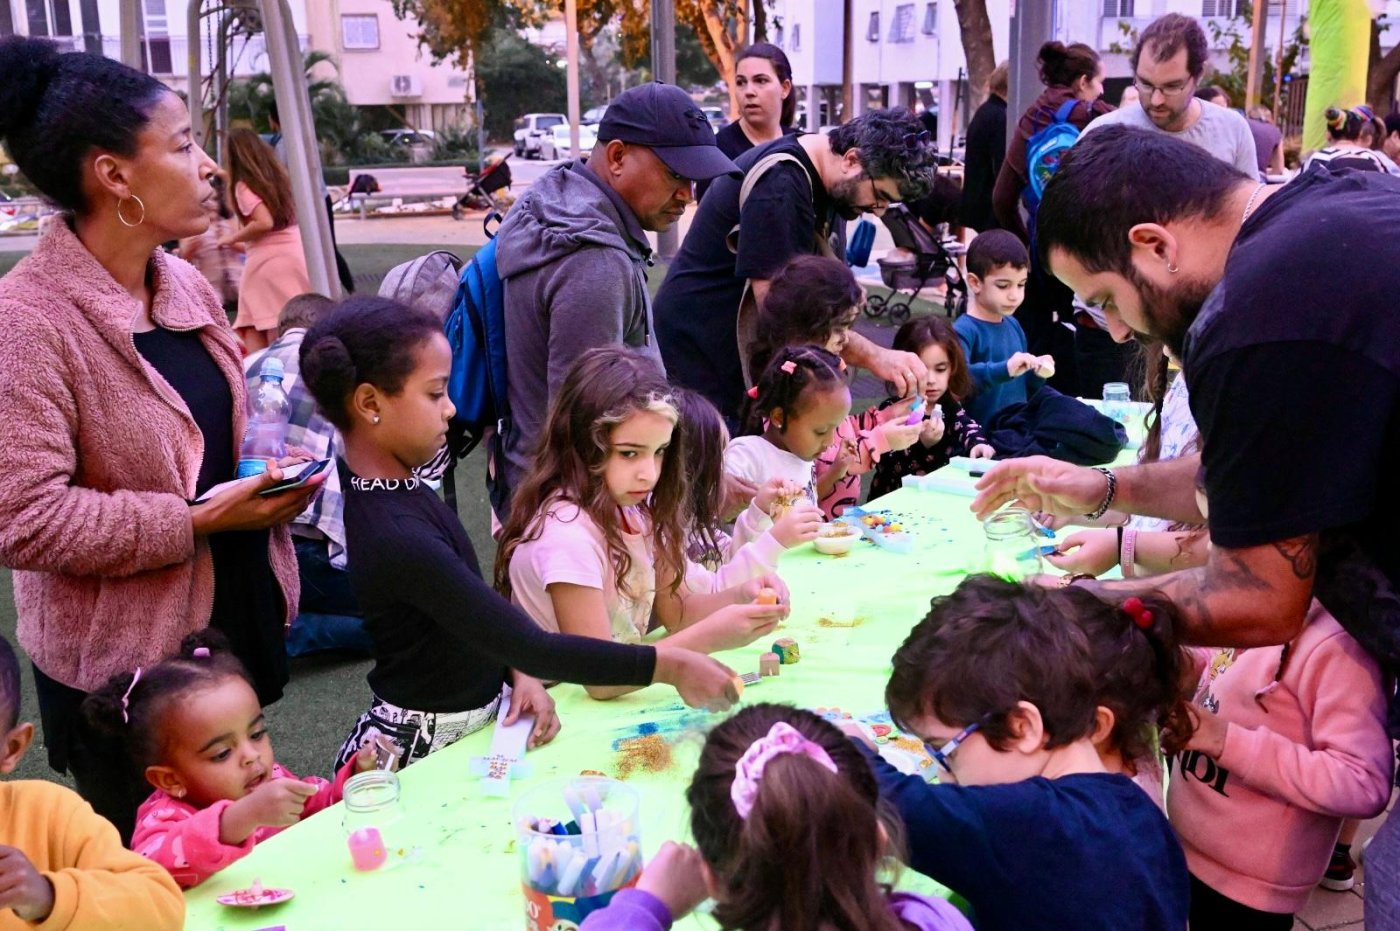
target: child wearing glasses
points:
(1001, 683)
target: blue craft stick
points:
(1050, 550)
(556, 828)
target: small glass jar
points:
(373, 809)
(1117, 401)
(1013, 546)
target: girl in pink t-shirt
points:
(595, 544)
(193, 725)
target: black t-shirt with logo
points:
(697, 308)
(1294, 371)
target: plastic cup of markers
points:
(579, 842)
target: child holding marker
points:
(1000, 681)
(948, 429)
(714, 562)
(193, 726)
(816, 300)
(1003, 372)
(595, 544)
(62, 866)
(790, 834)
(445, 643)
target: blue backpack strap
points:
(1066, 108)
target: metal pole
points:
(220, 85)
(299, 134)
(663, 68)
(130, 28)
(571, 70)
(193, 11)
(1256, 49)
(1278, 58)
(848, 63)
(1032, 25)
(91, 26)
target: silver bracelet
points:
(1109, 496)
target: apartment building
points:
(380, 62)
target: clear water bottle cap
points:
(272, 369)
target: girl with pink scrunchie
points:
(786, 818)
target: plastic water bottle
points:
(265, 439)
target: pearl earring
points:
(374, 419)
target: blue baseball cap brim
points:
(697, 162)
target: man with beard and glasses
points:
(1279, 302)
(877, 159)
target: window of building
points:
(779, 35)
(902, 28)
(155, 49)
(360, 31)
(46, 18)
(930, 19)
(797, 37)
(1118, 9)
(872, 31)
(1225, 9)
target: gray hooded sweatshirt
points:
(573, 259)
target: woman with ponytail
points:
(790, 833)
(124, 402)
(1351, 132)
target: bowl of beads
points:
(836, 539)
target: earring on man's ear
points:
(374, 419)
(1172, 268)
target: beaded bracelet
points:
(1108, 497)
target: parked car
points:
(531, 130)
(556, 144)
(716, 117)
(593, 115)
(397, 137)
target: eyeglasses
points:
(913, 139)
(1168, 91)
(879, 203)
(943, 755)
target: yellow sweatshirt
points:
(98, 884)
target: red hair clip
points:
(753, 392)
(789, 366)
(1140, 613)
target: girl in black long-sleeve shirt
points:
(444, 642)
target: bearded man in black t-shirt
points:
(1280, 302)
(863, 166)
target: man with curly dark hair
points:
(790, 208)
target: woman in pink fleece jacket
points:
(123, 401)
(1289, 741)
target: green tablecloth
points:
(849, 614)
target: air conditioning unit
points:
(405, 85)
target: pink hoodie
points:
(1259, 823)
(185, 839)
(100, 456)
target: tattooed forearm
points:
(1301, 554)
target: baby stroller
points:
(481, 188)
(929, 260)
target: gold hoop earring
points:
(121, 202)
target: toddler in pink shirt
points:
(1289, 741)
(194, 724)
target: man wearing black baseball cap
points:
(573, 254)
